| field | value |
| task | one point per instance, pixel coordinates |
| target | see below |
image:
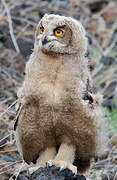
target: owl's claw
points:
(62, 167)
(49, 164)
(32, 169)
(75, 172)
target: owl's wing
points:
(19, 107)
(88, 93)
(90, 96)
(28, 131)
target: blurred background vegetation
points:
(18, 20)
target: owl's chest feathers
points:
(54, 83)
(51, 87)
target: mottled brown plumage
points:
(59, 116)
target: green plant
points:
(112, 118)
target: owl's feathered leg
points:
(65, 158)
(44, 157)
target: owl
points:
(59, 121)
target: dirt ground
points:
(18, 20)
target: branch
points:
(10, 26)
(114, 27)
(7, 110)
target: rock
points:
(54, 173)
(22, 177)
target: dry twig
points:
(16, 174)
(108, 49)
(24, 20)
(8, 108)
(5, 137)
(9, 166)
(11, 27)
(96, 43)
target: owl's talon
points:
(49, 163)
(73, 169)
(32, 169)
(74, 174)
(62, 167)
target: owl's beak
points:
(44, 40)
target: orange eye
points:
(58, 32)
(41, 30)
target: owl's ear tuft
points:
(79, 40)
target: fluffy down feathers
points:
(57, 105)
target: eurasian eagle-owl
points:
(58, 120)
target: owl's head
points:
(60, 35)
